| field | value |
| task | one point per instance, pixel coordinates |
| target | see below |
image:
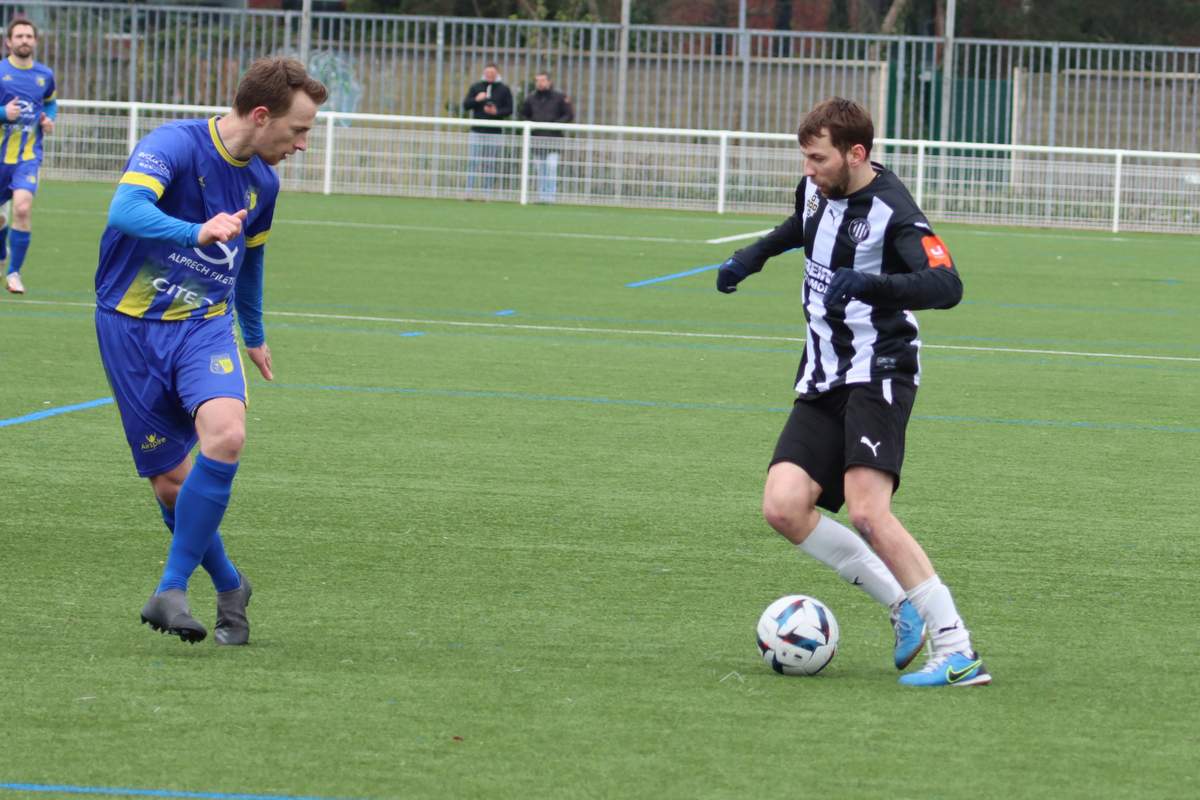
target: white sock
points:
(947, 632)
(837, 546)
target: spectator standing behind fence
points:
(486, 99)
(546, 104)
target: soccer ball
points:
(797, 635)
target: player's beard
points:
(840, 186)
(23, 50)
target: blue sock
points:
(20, 246)
(224, 574)
(3, 243)
(198, 512)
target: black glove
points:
(731, 273)
(846, 285)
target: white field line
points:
(644, 332)
(735, 238)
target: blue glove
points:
(846, 285)
(731, 273)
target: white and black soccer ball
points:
(797, 635)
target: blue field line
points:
(672, 276)
(53, 412)
(508, 312)
(485, 394)
(111, 791)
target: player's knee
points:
(166, 492)
(867, 518)
(226, 442)
(21, 211)
(788, 513)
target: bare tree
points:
(893, 16)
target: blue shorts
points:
(23, 175)
(160, 373)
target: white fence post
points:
(722, 158)
(1116, 217)
(525, 137)
(133, 126)
(328, 187)
(920, 193)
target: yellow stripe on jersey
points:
(13, 149)
(138, 179)
(217, 143)
(139, 295)
(217, 310)
(27, 153)
(258, 239)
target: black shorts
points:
(857, 424)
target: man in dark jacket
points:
(546, 104)
(486, 99)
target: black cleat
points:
(168, 612)
(232, 626)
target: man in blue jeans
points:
(487, 99)
(546, 104)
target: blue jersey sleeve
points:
(50, 98)
(134, 213)
(248, 298)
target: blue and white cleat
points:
(910, 633)
(950, 669)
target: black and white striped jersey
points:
(878, 230)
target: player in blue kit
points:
(27, 95)
(182, 250)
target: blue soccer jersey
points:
(195, 178)
(33, 87)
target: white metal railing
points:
(1073, 94)
(672, 167)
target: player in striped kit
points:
(871, 258)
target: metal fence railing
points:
(713, 170)
(1002, 92)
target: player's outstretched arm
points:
(748, 260)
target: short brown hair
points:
(18, 21)
(272, 82)
(847, 122)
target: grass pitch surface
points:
(501, 513)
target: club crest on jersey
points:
(251, 198)
(41, 81)
(859, 230)
(221, 364)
